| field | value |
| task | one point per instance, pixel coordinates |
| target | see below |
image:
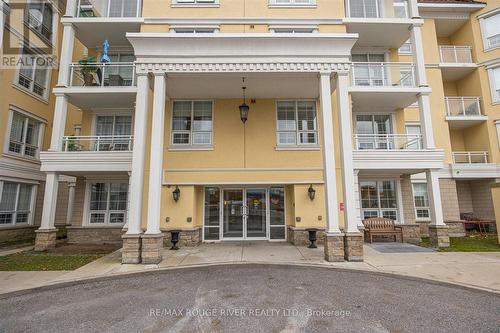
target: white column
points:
(50, 201)
(331, 201)
(70, 8)
(138, 156)
(3, 14)
(413, 9)
(156, 158)
(344, 114)
(418, 55)
(66, 57)
(59, 125)
(434, 198)
(359, 221)
(424, 105)
(71, 201)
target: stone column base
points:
(411, 233)
(353, 247)
(45, 239)
(152, 246)
(334, 247)
(131, 249)
(438, 235)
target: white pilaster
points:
(434, 198)
(332, 219)
(50, 201)
(418, 55)
(424, 106)
(359, 220)
(66, 57)
(138, 156)
(344, 114)
(156, 158)
(60, 112)
(71, 202)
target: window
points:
(39, 18)
(490, 27)
(296, 123)
(119, 75)
(494, 75)
(378, 199)
(414, 140)
(371, 74)
(24, 137)
(212, 213)
(293, 30)
(373, 131)
(115, 132)
(195, 2)
(194, 30)
(32, 76)
(421, 201)
(108, 203)
(122, 8)
(364, 8)
(15, 203)
(400, 9)
(192, 123)
(405, 48)
(292, 2)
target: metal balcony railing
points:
(377, 9)
(118, 74)
(470, 157)
(388, 141)
(98, 143)
(383, 74)
(108, 8)
(462, 106)
(455, 54)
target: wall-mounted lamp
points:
(311, 192)
(176, 193)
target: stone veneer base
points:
(300, 236)
(45, 239)
(439, 235)
(187, 237)
(131, 249)
(353, 247)
(94, 235)
(411, 233)
(334, 247)
(152, 246)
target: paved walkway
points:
(478, 270)
(253, 298)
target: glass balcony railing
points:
(462, 106)
(470, 157)
(108, 8)
(455, 54)
(98, 143)
(383, 74)
(377, 9)
(388, 141)
(102, 75)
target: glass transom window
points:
(24, 135)
(379, 199)
(108, 203)
(15, 203)
(296, 123)
(192, 123)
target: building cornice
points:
(241, 20)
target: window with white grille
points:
(192, 123)
(39, 18)
(490, 27)
(33, 74)
(15, 203)
(296, 123)
(24, 136)
(108, 203)
(421, 201)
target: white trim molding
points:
(86, 161)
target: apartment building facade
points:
(30, 38)
(260, 119)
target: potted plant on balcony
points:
(88, 68)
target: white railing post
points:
(485, 154)
(462, 100)
(469, 157)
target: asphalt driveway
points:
(253, 298)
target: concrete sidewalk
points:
(477, 270)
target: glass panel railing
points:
(470, 157)
(462, 106)
(383, 74)
(97, 143)
(455, 54)
(388, 141)
(104, 75)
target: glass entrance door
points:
(233, 212)
(255, 213)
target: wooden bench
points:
(380, 226)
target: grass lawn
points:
(63, 258)
(472, 244)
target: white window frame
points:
(30, 90)
(495, 91)
(194, 30)
(482, 23)
(378, 9)
(31, 213)
(497, 125)
(190, 131)
(41, 123)
(297, 131)
(428, 208)
(409, 52)
(97, 114)
(293, 30)
(38, 30)
(398, 194)
(195, 3)
(401, 3)
(415, 124)
(88, 196)
(292, 3)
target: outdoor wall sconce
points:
(311, 192)
(244, 108)
(176, 193)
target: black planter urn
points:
(174, 239)
(312, 237)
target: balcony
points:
(455, 62)
(463, 112)
(97, 85)
(97, 143)
(473, 164)
(383, 85)
(388, 141)
(469, 157)
(371, 19)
